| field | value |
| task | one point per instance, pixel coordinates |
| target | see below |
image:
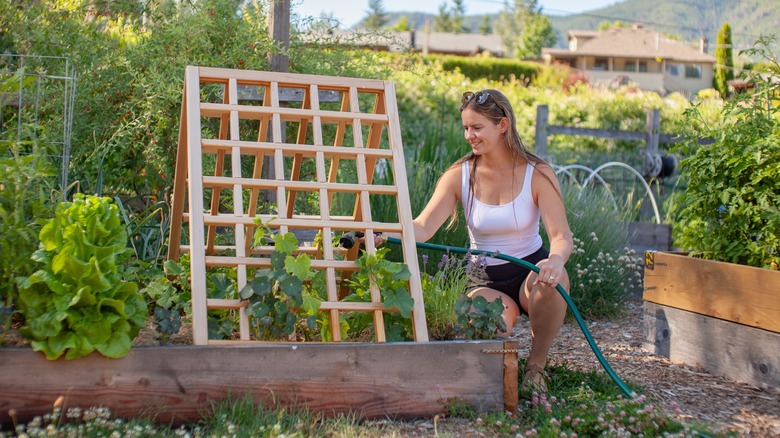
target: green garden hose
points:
(457, 250)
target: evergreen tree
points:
(524, 30)
(724, 61)
(443, 21)
(538, 33)
(402, 25)
(485, 28)
(458, 17)
(377, 17)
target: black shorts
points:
(509, 277)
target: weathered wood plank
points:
(728, 291)
(736, 351)
(177, 384)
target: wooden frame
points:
(381, 143)
(173, 385)
(721, 316)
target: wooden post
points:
(652, 130)
(540, 145)
(279, 25)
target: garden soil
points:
(727, 406)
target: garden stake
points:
(603, 361)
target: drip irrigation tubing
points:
(602, 360)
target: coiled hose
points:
(603, 361)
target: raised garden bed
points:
(178, 384)
(721, 316)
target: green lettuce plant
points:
(79, 301)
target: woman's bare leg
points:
(546, 310)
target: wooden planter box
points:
(178, 384)
(720, 316)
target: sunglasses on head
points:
(479, 96)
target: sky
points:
(349, 12)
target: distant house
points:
(460, 44)
(638, 55)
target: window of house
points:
(630, 66)
(643, 66)
(673, 69)
(693, 71)
(600, 64)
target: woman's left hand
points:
(551, 271)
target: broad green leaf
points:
(221, 285)
(81, 348)
(292, 287)
(95, 332)
(172, 267)
(118, 345)
(286, 243)
(162, 292)
(463, 305)
(310, 304)
(112, 305)
(299, 266)
(84, 297)
(46, 325)
(399, 299)
(479, 303)
(277, 259)
(259, 286)
(259, 309)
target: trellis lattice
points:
(235, 162)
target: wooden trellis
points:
(225, 129)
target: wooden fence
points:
(651, 136)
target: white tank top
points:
(511, 229)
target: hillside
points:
(687, 20)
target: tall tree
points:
(451, 18)
(485, 28)
(537, 33)
(724, 61)
(443, 21)
(402, 25)
(377, 17)
(524, 29)
(458, 17)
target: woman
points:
(505, 190)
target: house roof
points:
(631, 43)
(459, 42)
(436, 42)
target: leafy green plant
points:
(276, 295)
(444, 292)
(441, 291)
(392, 281)
(478, 318)
(167, 292)
(731, 208)
(79, 301)
(25, 202)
